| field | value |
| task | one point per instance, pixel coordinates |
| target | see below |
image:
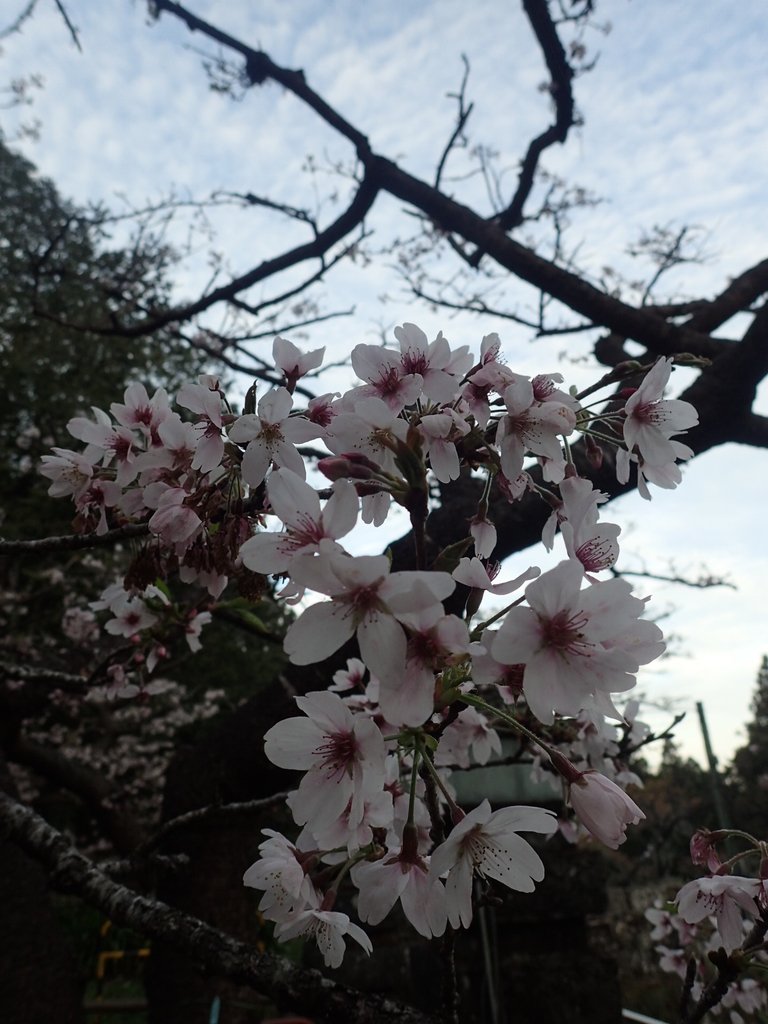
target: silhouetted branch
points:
(304, 990)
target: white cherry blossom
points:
(487, 843)
(328, 928)
(366, 600)
(271, 435)
(576, 644)
(651, 419)
(297, 506)
(343, 757)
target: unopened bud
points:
(594, 452)
(351, 465)
(564, 767)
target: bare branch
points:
(211, 815)
(70, 27)
(304, 990)
(561, 76)
(74, 541)
(462, 116)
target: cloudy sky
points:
(673, 134)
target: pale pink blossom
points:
(661, 920)
(130, 618)
(667, 476)
(367, 600)
(534, 428)
(280, 872)
(175, 522)
(93, 502)
(193, 628)
(408, 698)
(139, 412)
(440, 431)
(576, 644)
(439, 368)
(206, 402)
(725, 897)
(349, 678)
(69, 472)
(603, 808)
(594, 545)
(342, 755)
(342, 831)
(403, 876)
(483, 533)
(651, 420)
(328, 928)
(294, 363)
(472, 573)
(386, 379)
(107, 442)
(470, 731)
(297, 505)
(271, 435)
(487, 843)
(175, 450)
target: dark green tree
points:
(749, 771)
(61, 273)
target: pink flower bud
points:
(594, 452)
(604, 808)
(352, 465)
(703, 850)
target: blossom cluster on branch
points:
(712, 935)
(434, 684)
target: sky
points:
(671, 136)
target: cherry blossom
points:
(70, 473)
(440, 431)
(342, 755)
(271, 436)
(603, 808)
(297, 505)
(107, 442)
(280, 872)
(569, 643)
(470, 731)
(532, 427)
(402, 875)
(139, 412)
(294, 363)
(576, 644)
(595, 546)
(439, 368)
(367, 601)
(328, 928)
(387, 380)
(723, 896)
(651, 419)
(206, 402)
(487, 843)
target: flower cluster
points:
(718, 919)
(375, 802)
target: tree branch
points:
(74, 541)
(561, 76)
(304, 990)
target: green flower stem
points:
(478, 630)
(414, 779)
(478, 702)
(456, 811)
